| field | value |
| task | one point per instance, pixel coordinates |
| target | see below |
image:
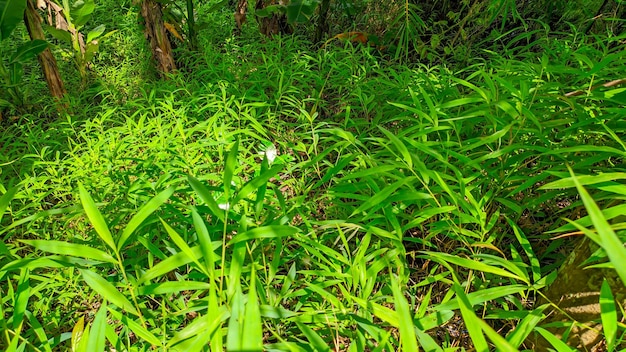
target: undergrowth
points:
(272, 197)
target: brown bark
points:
(576, 292)
(47, 61)
(156, 34)
(274, 24)
(240, 15)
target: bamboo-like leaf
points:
(408, 339)
(96, 219)
(526, 326)
(584, 180)
(613, 246)
(404, 152)
(608, 314)
(71, 249)
(136, 328)
(334, 170)
(97, 334)
(143, 213)
(554, 341)
(184, 247)
(379, 197)
(252, 325)
(22, 294)
(257, 182)
(271, 231)
(315, 340)
(526, 246)
(205, 244)
(77, 334)
(206, 197)
(471, 320)
(6, 199)
(229, 169)
(107, 290)
(482, 296)
(235, 334)
(471, 264)
(175, 261)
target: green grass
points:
(274, 197)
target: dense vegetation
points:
(439, 186)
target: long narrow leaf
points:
(96, 219)
(143, 213)
(613, 246)
(97, 333)
(70, 249)
(408, 338)
(107, 290)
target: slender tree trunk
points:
(191, 25)
(322, 22)
(240, 15)
(157, 36)
(576, 292)
(46, 59)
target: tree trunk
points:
(47, 61)
(157, 36)
(576, 292)
(274, 24)
(322, 22)
(240, 16)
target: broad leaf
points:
(107, 290)
(28, 51)
(11, 14)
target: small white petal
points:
(224, 206)
(271, 153)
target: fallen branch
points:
(605, 85)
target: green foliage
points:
(11, 72)
(82, 48)
(278, 198)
